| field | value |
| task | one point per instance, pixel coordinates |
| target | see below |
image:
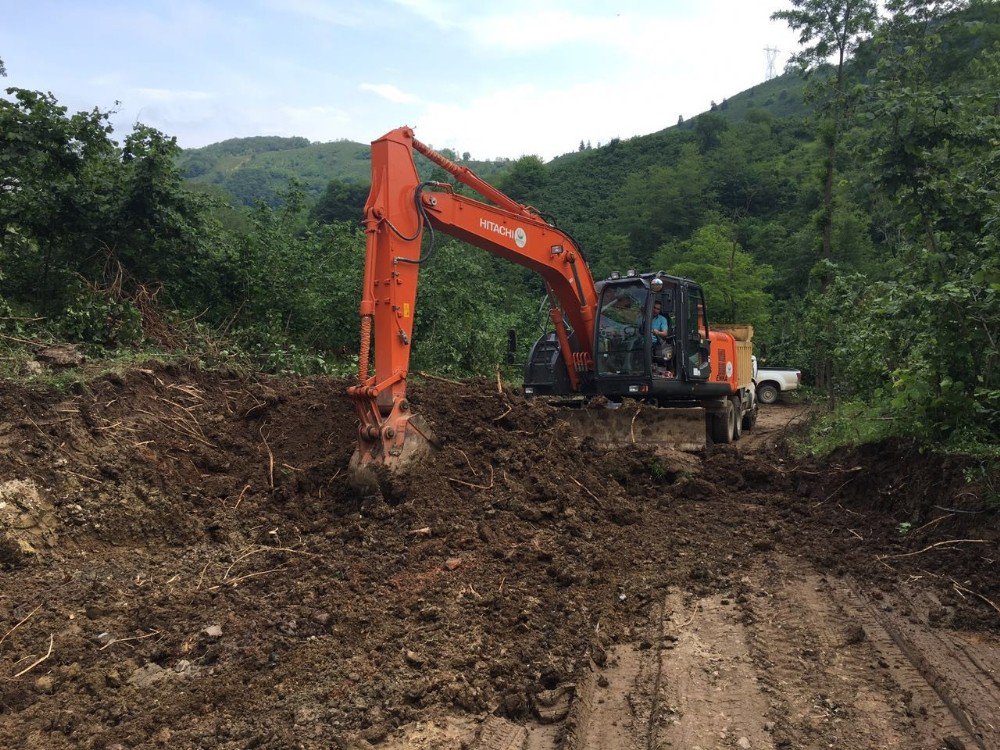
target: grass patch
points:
(850, 423)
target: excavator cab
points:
(630, 344)
(635, 367)
(622, 331)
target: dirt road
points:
(184, 566)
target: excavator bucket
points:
(383, 460)
(634, 423)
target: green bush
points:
(100, 319)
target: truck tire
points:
(750, 419)
(723, 424)
(737, 420)
(767, 393)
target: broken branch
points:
(585, 489)
(240, 498)
(270, 458)
(38, 661)
(427, 375)
(509, 410)
(475, 486)
(234, 581)
(937, 544)
(133, 638)
(24, 620)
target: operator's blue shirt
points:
(659, 323)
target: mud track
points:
(185, 566)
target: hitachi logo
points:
(519, 236)
(498, 228)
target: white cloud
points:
(173, 95)
(516, 30)
(655, 70)
(643, 32)
(311, 121)
(388, 92)
(439, 12)
(318, 10)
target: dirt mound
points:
(206, 577)
(879, 512)
(209, 555)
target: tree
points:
(709, 127)
(612, 254)
(829, 27)
(524, 180)
(3, 70)
(465, 306)
(341, 201)
(733, 281)
(933, 163)
(665, 203)
(74, 205)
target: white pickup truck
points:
(771, 382)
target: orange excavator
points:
(631, 339)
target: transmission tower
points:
(772, 54)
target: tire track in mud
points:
(825, 685)
(949, 687)
(790, 659)
(877, 678)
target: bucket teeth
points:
(374, 460)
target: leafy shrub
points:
(100, 319)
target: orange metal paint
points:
(393, 230)
(722, 350)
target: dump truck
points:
(634, 341)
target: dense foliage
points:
(850, 211)
(105, 244)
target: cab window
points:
(696, 319)
(621, 333)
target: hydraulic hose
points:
(425, 222)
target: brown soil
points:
(185, 565)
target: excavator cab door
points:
(622, 331)
(664, 349)
(696, 344)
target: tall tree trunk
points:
(831, 155)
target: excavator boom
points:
(398, 209)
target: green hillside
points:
(745, 158)
(248, 170)
(260, 168)
(252, 169)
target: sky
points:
(496, 79)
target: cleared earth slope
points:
(185, 565)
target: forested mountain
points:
(252, 169)
(260, 168)
(850, 214)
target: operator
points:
(659, 328)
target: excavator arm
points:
(398, 209)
